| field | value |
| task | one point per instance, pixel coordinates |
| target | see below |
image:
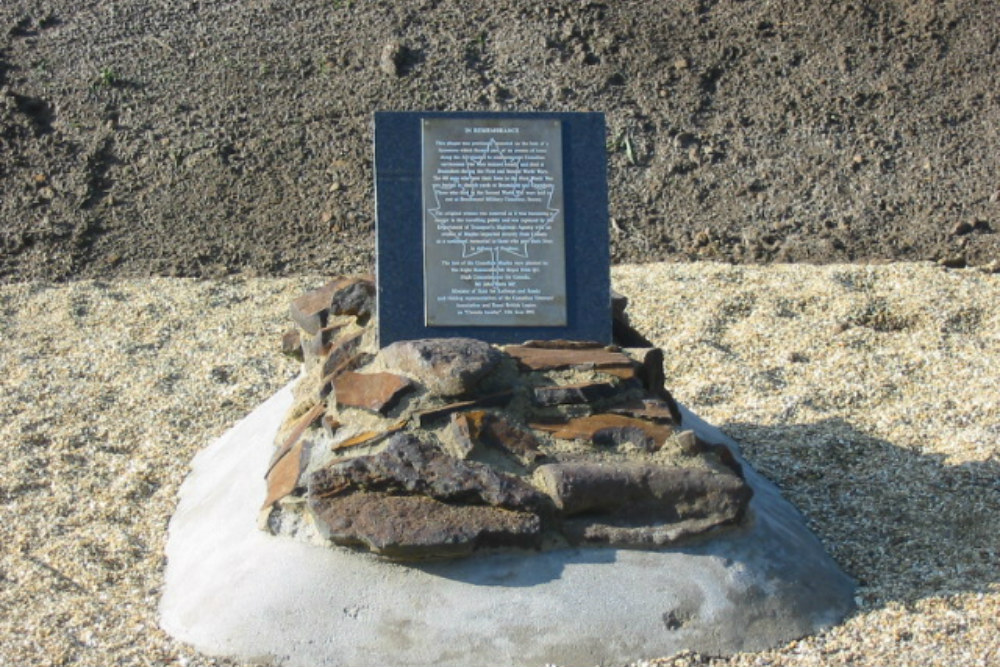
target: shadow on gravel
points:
(906, 525)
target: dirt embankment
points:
(202, 138)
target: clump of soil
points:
(195, 138)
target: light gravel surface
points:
(867, 393)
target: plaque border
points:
(399, 230)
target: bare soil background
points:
(203, 138)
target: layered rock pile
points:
(441, 447)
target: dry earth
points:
(200, 138)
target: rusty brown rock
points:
(341, 296)
(378, 392)
(369, 437)
(411, 500)
(285, 468)
(467, 429)
(284, 475)
(298, 429)
(563, 344)
(650, 409)
(579, 488)
(408, 466)
(291, 344)
(317, 347)
(573, 394)
(608, 429)
(544, 358)
(325, 385)
(445, 366)
(425, 417)
(624, 372)
(416, 527)
(311, 310)
(356, 298)
(641, 504)
(339, 350)
(460, 436)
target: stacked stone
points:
(441, 447)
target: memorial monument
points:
(492, 226)
(469, 470)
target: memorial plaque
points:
(492, 226)
(494, 251)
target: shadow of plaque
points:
(492, 226)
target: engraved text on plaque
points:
(494, 252)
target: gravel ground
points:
(865, 392)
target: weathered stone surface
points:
(467, 429)
(546, 358)
(562, 344)
(342, 296)
(311, 310)
(353, 362)
(629, 372)
(412, 500)
(284, 475)
(291, 344)
(573, 394)
(445, 366)
(369, 437)
(610, 430)
(425, 417)
(651, 409)
(356, 298)
(298, 428)
(338, 351)
(460, 440)
(414, 527)
(285, 468)
(669, 492)
(317, 347)
(461, 443)
(409, 466)
(650, 361)
(378, 392)
(641, 504)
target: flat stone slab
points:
(233, 590)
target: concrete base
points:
(232, 590)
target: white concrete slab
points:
(233, 590)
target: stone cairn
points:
(441, 447)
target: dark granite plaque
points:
(492, 226)
(494, 252)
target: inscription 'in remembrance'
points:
(493, 223)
